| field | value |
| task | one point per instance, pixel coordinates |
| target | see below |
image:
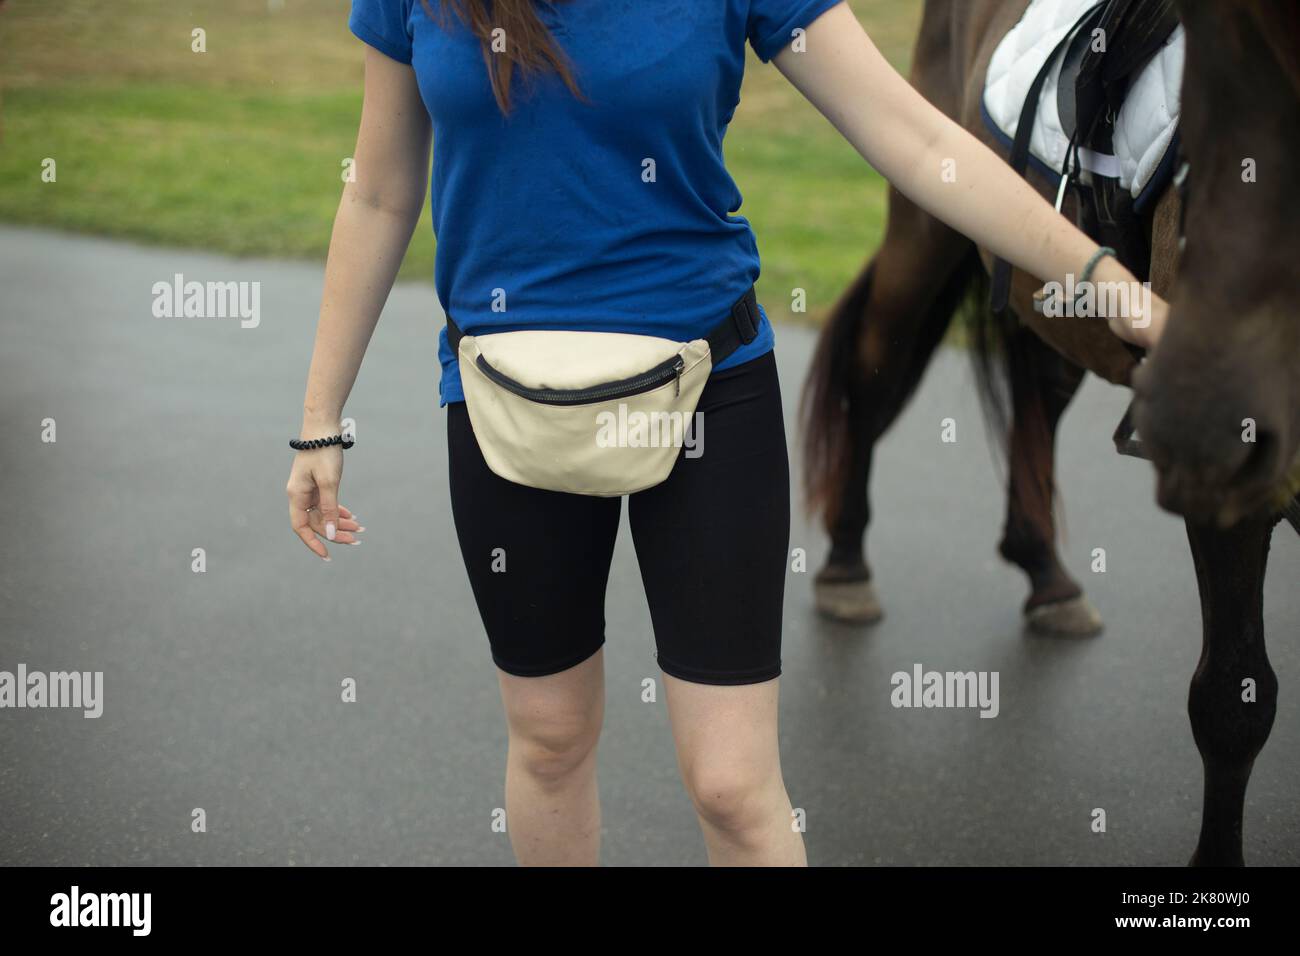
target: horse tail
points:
(824, 404)
(1019, 383)
(1003, 366)
(826, 411)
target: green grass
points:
(248, 175)
(238, 149)
(815, 228)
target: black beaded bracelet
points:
(310, 444)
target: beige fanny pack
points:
(590, 413)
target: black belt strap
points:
(740, 327)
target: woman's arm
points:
(372, 229)
(910, 142)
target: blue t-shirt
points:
(615, 214)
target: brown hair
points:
(529, 44)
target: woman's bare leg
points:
(727, 750)
(552, 805)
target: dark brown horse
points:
(1230, 359)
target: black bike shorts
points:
(712, 542)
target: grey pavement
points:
(222, 688)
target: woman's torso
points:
(613, 214)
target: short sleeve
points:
(383, 24)
(771, 22)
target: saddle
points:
(1093, 81)
(1135, 30)
(1093, 84)
(1091, 89)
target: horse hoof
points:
(852, 602)
(1074, 617)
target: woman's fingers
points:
(307, 523)
(329, 507)
(300, 521)
(345, 532)
(1146, 335)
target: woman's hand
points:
(1148, 335)
(1137, 328)
(314, 507)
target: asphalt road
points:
(222, 688)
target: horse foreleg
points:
(1233, 695)
(1040, 395)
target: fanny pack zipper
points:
(644, 382)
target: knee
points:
(731, 799)
(1231, 720)
(551, 749)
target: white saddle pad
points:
(1146, 123)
